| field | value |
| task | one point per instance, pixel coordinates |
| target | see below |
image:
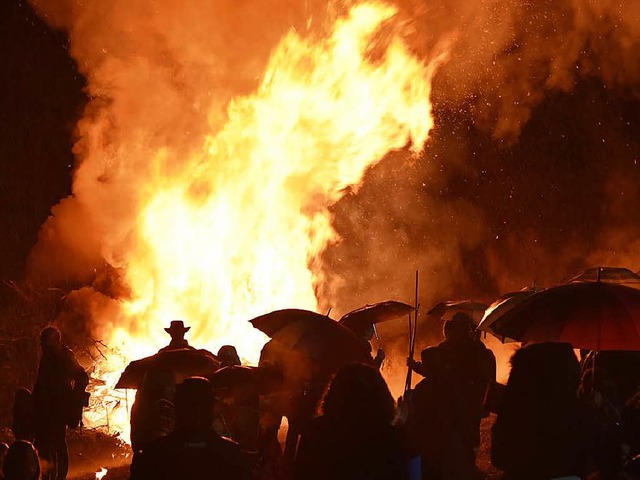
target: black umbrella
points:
(358, 320)
(619, 275)
(180, 364)
(446, 310)
(272, 322)
(501, 306)
(310, 340)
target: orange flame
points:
(238, 230)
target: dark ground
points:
(91, 451)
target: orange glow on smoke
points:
(237, 230)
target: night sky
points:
(41, 99)
(564, 194)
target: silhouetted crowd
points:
(557, 417)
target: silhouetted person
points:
(57, 394)
(599, 392)
(354, 438)
(23, 424)
(622, 368)
(485, 356)
(484, 352)
(4, 448)
(448, 404)
(228, 356)
(21, 462)
(366, 332)
(541, 430)
(152, 412)
(193, 450)
(239, 414)
(291, 369)
(367, 335)
(177, 331)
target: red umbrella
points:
(358, 320)
(588, 315)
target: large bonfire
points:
(236, 229)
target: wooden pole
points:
(413, 326)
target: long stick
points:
(407, 382)
(415, 316)
(413, 327)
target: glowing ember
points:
(101, 474)
(237, 230)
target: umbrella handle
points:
(375, 332)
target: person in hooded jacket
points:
(354, 438)
(542, 430)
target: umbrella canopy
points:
(620, 275)
(588, 315)
(309, 343)
(446, 310)
(498, 308)
(180, 364)
(360, 319)
(272, 322)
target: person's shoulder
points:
(479, 348)
(432, 351)
(67, 356)
(433, 348)
(67, 352)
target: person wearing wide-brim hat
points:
(177, 331)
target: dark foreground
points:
(91, 451)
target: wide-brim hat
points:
(177, 326)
